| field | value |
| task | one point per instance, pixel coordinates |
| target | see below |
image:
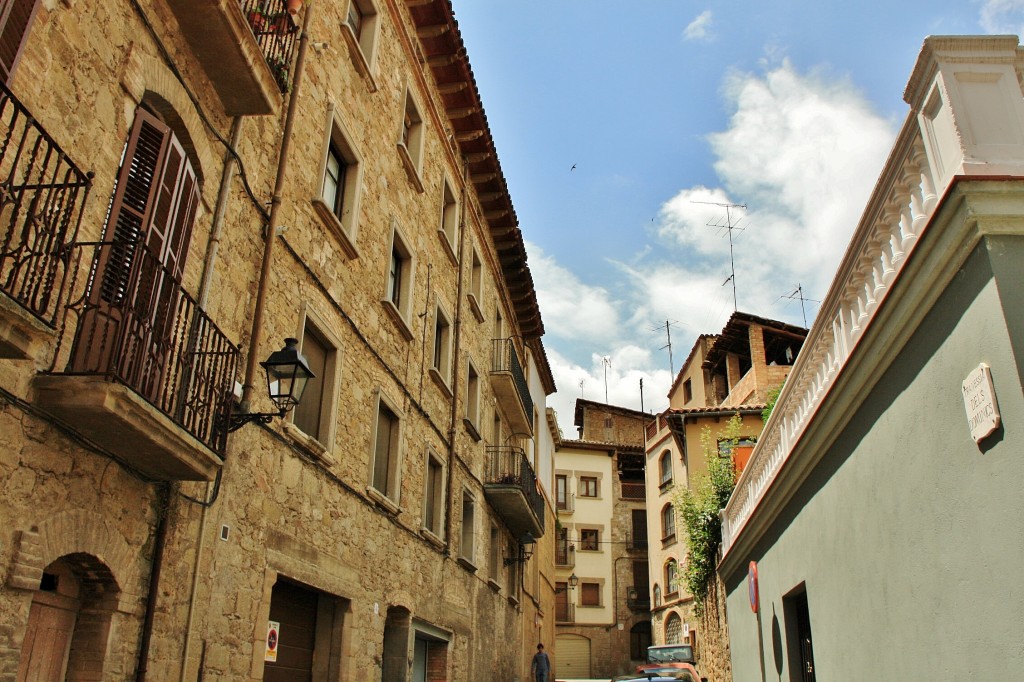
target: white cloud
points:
(699, 28)
(1003, 16)
(802, 151)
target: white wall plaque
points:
(980, 403)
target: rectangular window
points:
(494, 560)
(16, 16)
(361, 37)
(590, 594)
(589, 539)
(466, 549)
(433, 496)
(398, 282)
(472, 396)
(442, 345)
(562, 492)
(588, 486)
(476, 287)
(355, 18)
(338, 203)
(395, 276)
(449, 218)
(314, 412)
(687, 391)
(410, 141)
(385, 453)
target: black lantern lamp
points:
(287, 375)
(573, 582)
(527, 543)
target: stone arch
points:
(673, 629)
(146, 79)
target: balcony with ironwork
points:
(634, 490)
(42, 196)
(512, 489)
(245, 47)
(565, 612)
(565, 553)
(148, 376)
(510, 387)
(636, 542)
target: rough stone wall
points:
(291, 507)
(714, 660)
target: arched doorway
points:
(68, 620)
(572, 656)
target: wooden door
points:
(295, 609)
(51, 625)
(803, 628)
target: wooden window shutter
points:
(15, 17)
(133, 200)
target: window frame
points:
(441, 349)
(434, 468)
(584, 542)
(596, 588)
(471, 409)
(448, 227)
(671, 574)
(341, 219)
(362, 45)
(390, 497)
(411, 138)
(583, 482)
(468, 530)
(476, 285)
(665, 474)
(668, 524)
(400, 310)
(322, 442)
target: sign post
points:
(273, 639)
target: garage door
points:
(572, 656)
(295, 609)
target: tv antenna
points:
(799, 293)
(607, 362)
(730, 227)
(668, 335)
(582, 381)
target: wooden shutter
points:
(15, 17)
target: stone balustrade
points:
(939, 143)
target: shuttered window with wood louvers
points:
(15, 17)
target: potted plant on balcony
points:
(280, 68)
(294, 6)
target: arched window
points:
(665, 468)
(668, 523)
(671, 576)
(657, 595)
(673, 629)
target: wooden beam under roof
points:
(461, 112)
(469, 135)
(452, 87)
(432, 31)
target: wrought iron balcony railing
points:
(636, 542)
(275, 32)
(565, 612)
(42, 196)
(565, 553)
(509, 469)
(150, 335)
(511, 385)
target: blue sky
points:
(789, 107)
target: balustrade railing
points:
(150, 335)
(275, 31)
(899, 209)
(42, 197)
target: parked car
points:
(664, 675)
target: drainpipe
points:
(457, 341)
(271, 229)
(159, 545)
(202, 298)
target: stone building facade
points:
(185, 185)
(601, 607)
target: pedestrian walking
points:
(541, 666)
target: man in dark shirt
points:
(541, 666)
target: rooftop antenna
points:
(581, 388)
(607, 362)
(668, 334)
(730, 227)
(799, 293)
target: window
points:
(472, 413)
(338, 203)
(589, 539)
(562, 492)
(476, 287)
(588, 486)
(361, 36)
(433, 496)
(466, 545)
(449, 220)
(665, 468)
(590, 594)
(398, 288)
(495, 555)
(442, 362)
(12, 33)
(313, 415)
(687, 391)
(410, 141)
(668, 523)
(671, 575)
(657, 595)
(673, 629)
(385, 478)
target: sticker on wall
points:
(980, 403)
(273, 639)
(752, 586)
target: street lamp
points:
(573, 582)
(287, 375)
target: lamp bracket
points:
(233, 422)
